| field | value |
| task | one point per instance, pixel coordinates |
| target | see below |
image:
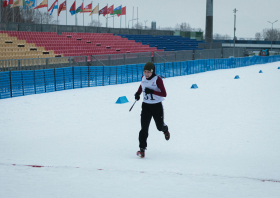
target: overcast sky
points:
(252, 15)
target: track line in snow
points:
(42, 166)
(256, 179)
(142, 172)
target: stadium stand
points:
(167, 43)
(12, 47)
(246, 42)
(106, 43)
(49, 44)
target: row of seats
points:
(87, 34)
(168, 43)
(23, 53)
(33, 62)
(70, 46)
(12, 48)
(246, 41)
(87, 43)
(8, 57)
(97, 45)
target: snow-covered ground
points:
(225, 140)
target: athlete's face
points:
(147, 73)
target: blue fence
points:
(20, 83)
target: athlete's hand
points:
(137, 96)
(149, 91)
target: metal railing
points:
(210, 45)
(119, 59)
(81, 29)
(233, 52)
(173, 56)
(42, 63)
(20, 83)
(208, 54)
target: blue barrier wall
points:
(20, 83)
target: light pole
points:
(145, 24)
(132, 23)
(1, 11)
(128, 23)
(272, 32)
(234, 11)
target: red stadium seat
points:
(89, 43)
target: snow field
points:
(224, 140)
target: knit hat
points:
(149, 66)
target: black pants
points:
(149, 111)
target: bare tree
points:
(138, 26)
(6, 14)
(227, 37)
(95, 23)
(277, 35)
(167, 28)
(221, 37)
(47, 18)
(183, 27)
(21, 15)
(258, 36)
(271, 35)
(9, 14)
(30, 15)
(217, 36)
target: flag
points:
(62, 7)
(110, 10)
(103, 11)
(5, 3)
(54, 6)
(80, 9)
(73, 8)
(18, 3)
(118, 10)
(95, 10)
(30, 4)
(123, 11)
(88, 8)
(43, 4)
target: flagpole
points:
(125, 16)
(57, 13)
(98, 15)
(14, 13)
(121, 18)
(113, 17)
(75, 14)
(66, 11)
(1, 12)
(91, 15)
(83, 13)
(47, 8)
(132, 17)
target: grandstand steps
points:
(12, 47)
(167, 43)
(49, 44)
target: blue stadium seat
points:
(168, 43)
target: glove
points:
(149, 91)
(137, 96)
